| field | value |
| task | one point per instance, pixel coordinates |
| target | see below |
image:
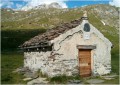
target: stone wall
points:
(63, 59)
(50, 65)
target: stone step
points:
(38, 81)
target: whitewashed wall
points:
(64, 57)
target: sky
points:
(18, 4)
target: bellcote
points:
(84, 17)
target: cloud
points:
(1, 5)
(6, 3)
(33, 3)
(19, 6)
(84, 5)
(115, 3)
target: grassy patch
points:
(59, 79)
(9, 62)
(63, 79)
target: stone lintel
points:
(86, 46)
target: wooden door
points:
(85, 63)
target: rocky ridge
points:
(42, 6)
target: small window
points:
(87, 27)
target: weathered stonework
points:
(63, 59)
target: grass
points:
(9, 62)
(63, 79)
(59, 79)
(113, 81)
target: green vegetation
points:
(63, 79)
(59, 79)
(11, 39)
(39, 72)
(9, 62)
(113, 81)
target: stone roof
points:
(51, 34)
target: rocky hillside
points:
(45, 16)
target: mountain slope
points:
(48, 18)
